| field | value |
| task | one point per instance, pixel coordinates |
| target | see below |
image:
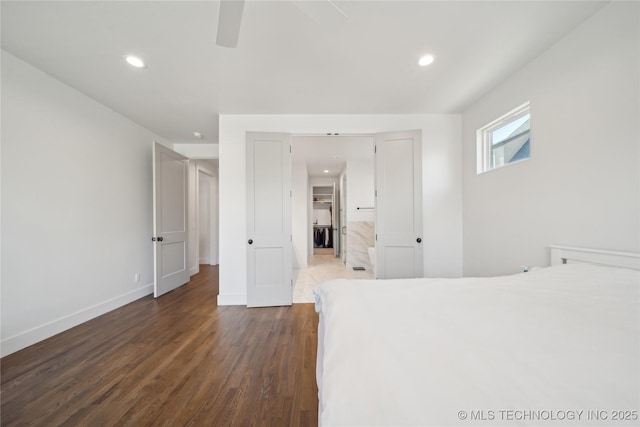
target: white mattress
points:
(538, 348)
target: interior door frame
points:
(344, 244)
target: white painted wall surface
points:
(215, 226)
(209, 169)
(77, 207)
(299, 213)
(197, 151)
(321, 217)
(204, 218)
(360, 233)
(192, 217)
(360, 190)
(442, 186)
(581, 186)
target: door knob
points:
(153, 239)
(418, 240)
(160, 239)
(250, 241)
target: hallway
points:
(319, 269)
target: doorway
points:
(337, 205)
(203, 213)
(207, 218)
(326, 240)
(272, 207)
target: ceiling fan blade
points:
(229, 20)
(324, 12)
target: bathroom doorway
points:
(334, 194)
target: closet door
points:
(269, 264)
(398, 161)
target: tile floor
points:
(319, 269)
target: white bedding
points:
(538, 348)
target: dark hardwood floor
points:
(176, 360)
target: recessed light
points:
(134, 61)
(426, 60)
(197, 135)
(326, 171)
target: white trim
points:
(232, 299)
(49, 329)
(507, 118)
(194, 270)
(564, 254)
(506, 165)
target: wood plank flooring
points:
(178, 360)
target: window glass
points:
(506, 140)
(510, 143)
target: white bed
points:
(554, 346)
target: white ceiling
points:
(285, 62)
(331, 153)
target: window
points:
(505, 140)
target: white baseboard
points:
(49, 329)
(194, 270)
(232, 299)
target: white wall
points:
(581, 186)
(192, 217)
(215, 224)
(197, 151)
(321, 216)
(204, 218)
(208, 169)
(360, 231)
(77, 207)
(442, 191)
(299, 213)
(360, 190)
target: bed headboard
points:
(564, 254)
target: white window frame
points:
(484, 143)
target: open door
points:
(269, 264)
(398, 158)
(169, 220)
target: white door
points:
(269, 265)
(169, 220)
(398, 204)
